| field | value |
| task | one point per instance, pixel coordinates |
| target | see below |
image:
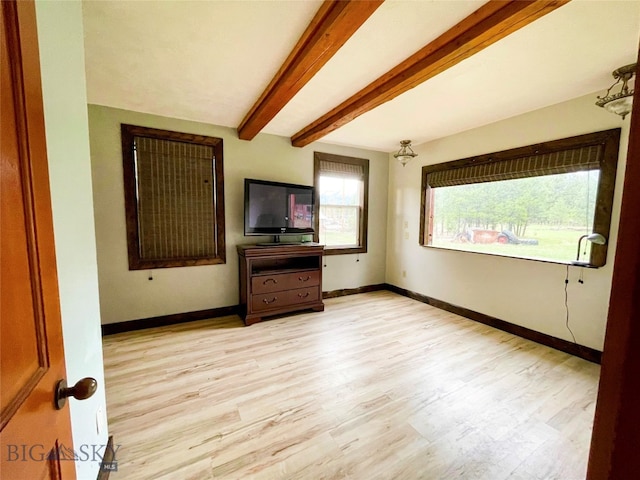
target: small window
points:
(174, 198)
(342, 191)
(533, 202)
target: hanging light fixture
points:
(619, 103)
(405, 153)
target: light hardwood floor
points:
(378, 386)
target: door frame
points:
(616, 429)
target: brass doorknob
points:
(82, 390)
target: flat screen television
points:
(274, 208)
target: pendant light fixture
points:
(405, 154)
(619, 103)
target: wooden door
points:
(31, 356)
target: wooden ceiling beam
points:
(331, 27)
(487, 25)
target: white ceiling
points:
(209, 61)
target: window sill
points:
(572, 263)
(137, 264)
(337, 250)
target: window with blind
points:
(533, 202)
(174, 198)
(342, 191)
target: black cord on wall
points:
(566, 304)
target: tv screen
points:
(273, 208)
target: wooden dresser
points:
(279, 279)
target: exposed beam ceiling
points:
(487, 25)
(334, 23)
(164, 58)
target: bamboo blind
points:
(565, 161)
(175, 199)
(339, 169)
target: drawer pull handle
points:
(305, 279)
(303, 296)
(270, 280)
(269, 301)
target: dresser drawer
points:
(304, 295)
(276, 300)
(269, 301)
(284, 281)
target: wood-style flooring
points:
(378, 386)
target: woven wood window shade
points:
(175, 196)
(339, 169)
(564, 161)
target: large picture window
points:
(533, 202)
(174, 198)
(341, 186)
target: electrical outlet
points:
(404, 274)
(406, 235)
(406, 224)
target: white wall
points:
(523, 292)
(128, 295)
(65, 107)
